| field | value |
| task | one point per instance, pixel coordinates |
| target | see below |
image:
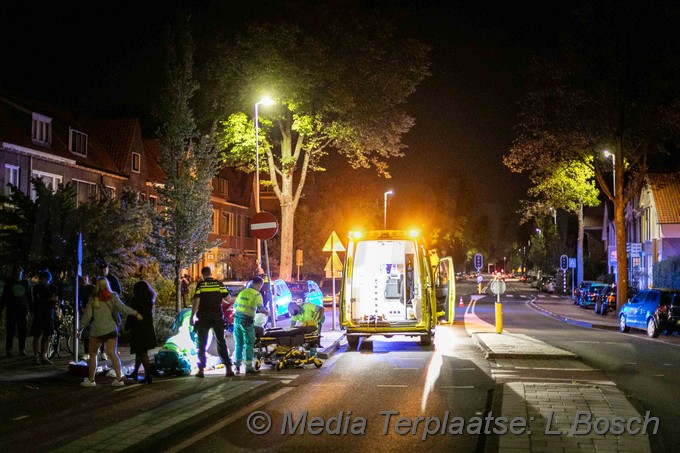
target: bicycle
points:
(62, 338)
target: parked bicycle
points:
(62, 338)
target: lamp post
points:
(264, 101)
(389, 192)
(607, 155)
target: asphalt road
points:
(645, 369)
(395, 375)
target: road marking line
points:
(464, 369)
(657, 375)
(630, 363)
(393, 385)
(398, 368)
(21, 417)
(229, 420)
(555, 369)
(458, 386)
(329, 385)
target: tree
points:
(189, 161)
(339, 82)
(558, 185)
(114, 230)
(606, 97)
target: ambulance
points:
(393, 285)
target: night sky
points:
(86, 58)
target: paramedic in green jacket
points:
(248, 302)
(307, 314)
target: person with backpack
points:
(101, 315)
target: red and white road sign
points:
(264, 226)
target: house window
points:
(51, 181)
(238, 225)
(84, 191)
(78, 143)
(41, 129)
(152, 201)
(248, 232)
(11, 177)
(222, 186)
(227, 223)
(136, 162)
(215, 216)
(111, 191)
(142, 197)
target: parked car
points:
(605, 300)
(305, 291)
(591, 294)
(281, 297)
(580, 289)
(326, 286)
(653, 310)
(234, 287)
(550, 285)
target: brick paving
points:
(549, 388)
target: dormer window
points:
(136, 162)
(41, 129)
(78, 143)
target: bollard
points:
(479, 288)
(461, 302)
(499, 314)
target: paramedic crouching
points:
(307, 314)
(248, 302)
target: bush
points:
(667, 273)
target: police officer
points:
(206, 314)
(248, 302)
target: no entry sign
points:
(264, 226)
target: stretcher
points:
(286, 348)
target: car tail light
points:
(662, 309)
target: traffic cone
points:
(461, 304)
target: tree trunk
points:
(579, 245)
(620, 226)
(287, 228)
(178, 286)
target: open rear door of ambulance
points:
(445, 285)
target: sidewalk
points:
(565, 310)
(553, 392)
(132, 417)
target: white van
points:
(393, 285)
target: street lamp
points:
(554, 213)
(607, 155)
(264, 101)
(389, 192)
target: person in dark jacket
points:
(142, 333)
(16, 296)
(45, 301)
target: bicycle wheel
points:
(53, 346)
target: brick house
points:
(40, 141)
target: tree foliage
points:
(189, 161)
(614, 95)
(339, 82)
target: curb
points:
(488, 354)
(576, 322)
(328, 352)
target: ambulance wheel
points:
(279, 366)
(426, 340)
(353, 343)
(317, 363)
(258, 364)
